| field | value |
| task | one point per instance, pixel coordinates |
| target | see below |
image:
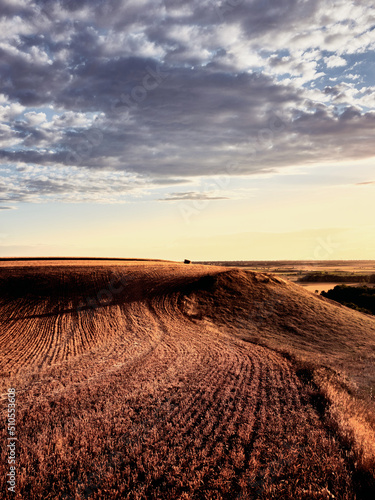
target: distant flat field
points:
(285, 266)
(295, 270)
(81, 261)
(324, 287)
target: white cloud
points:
(69, 184)
(353, 77)
(335, 61)
(34, 119)
(69, 119)
(8, 113)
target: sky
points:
(208, 130)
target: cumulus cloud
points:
(35, 184)
(158, 92)
(335, 61)
(35, 119)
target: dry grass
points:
(333, 343)
(161, 391)
(353, 417)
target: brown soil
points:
(146, 379)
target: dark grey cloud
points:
(169, 90)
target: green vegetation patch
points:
(361, 298)
(325, 277)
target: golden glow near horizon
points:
(325, 220)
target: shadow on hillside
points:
(89, 292)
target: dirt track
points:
(125, 388)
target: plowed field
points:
(148, 380)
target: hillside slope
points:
(266, 309)
(164, 380)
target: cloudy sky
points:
(210, 129)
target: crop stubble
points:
(146, 399)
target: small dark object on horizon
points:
(186, 261)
